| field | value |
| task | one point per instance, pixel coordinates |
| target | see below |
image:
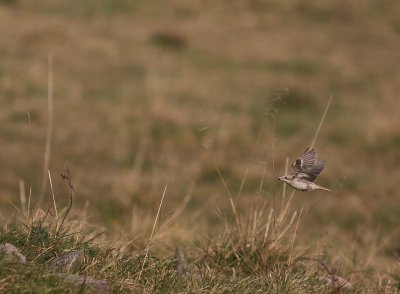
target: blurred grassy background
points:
(149, 93)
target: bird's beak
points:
(280, 178)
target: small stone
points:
(180, 261)
(66, 262)
(12, 253)
(338, 282)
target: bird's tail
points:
(326, 189)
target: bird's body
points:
(304, 185)
(305, 171)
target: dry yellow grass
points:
(157, 93)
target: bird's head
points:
(285, 179)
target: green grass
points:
(232, 262)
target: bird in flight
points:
(305, 171)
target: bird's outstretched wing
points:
(308, 166)
(305, 160)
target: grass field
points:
(205, 100)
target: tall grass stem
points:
(321, 122)
(49, 133)
(152, 232)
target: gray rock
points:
(91, 284)
(11, 253)
(67, 262)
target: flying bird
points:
(305, 171)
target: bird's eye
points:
(286, 178)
